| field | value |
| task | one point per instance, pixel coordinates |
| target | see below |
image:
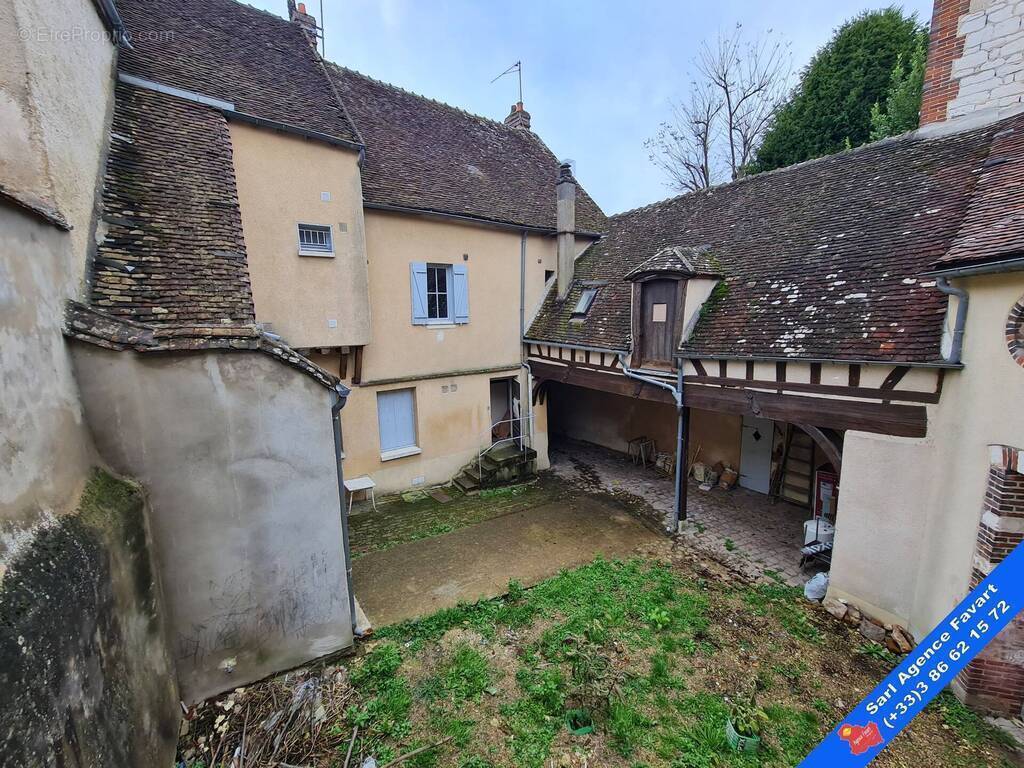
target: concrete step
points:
(467, 483)
(511, 454)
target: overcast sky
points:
(598, 75)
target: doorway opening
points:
(506, 422)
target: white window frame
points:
(449, 294)
(307, 249)
(402, 451)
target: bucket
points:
(748, 744)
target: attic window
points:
(583, 305)
(315, 240)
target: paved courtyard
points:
(740, 526)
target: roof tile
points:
(260, 62)
(826, 259)
(426, 155)
(173, 251)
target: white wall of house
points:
(909, 509)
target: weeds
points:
(878, 651)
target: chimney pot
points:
(297, 14)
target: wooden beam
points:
(343, 366)
(830, 449)
(907, 396)
(833, 413)
(854, 375)
(895, 377)
(614, 383)
(357, 366)
(815, 373)
(901, 420)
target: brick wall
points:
(994, 681)
(1015, 332)
(944, 47)
(975, 59)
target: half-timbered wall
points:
(909, 511)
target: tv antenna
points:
(517, 68)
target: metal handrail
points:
(522, 437)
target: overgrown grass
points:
(968, 724)
(631, 642)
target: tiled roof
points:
(429, 156)
(994, 226)
(173, 252)
(102, 329)
(687, 261)
(261, 63)
(825, 259)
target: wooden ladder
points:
(794, 478)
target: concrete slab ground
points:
(418, 578)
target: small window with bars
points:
(315, 240)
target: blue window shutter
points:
(396, 417)
(418, 280)
(460, 294)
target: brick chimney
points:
(975, 70)
(518, 117)
(307, 22)
(566, 224)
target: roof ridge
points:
(348, 70)
(914, 134)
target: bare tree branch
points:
(683, 147)
(739, 88)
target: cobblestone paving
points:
(741, 526)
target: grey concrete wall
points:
(56, 93)
(237, 453)
(84, 671)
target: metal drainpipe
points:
(679, 508)
(522, 333)
(956, 350)
(340, 397)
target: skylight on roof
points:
(586, 299)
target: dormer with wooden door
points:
(669, 290)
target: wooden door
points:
(658, 321)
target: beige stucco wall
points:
(613, 420)
(490, 338)
(909, 509)
(55, 101)
(453, 420)
(280, 180)
(236, 451)
(450, 366)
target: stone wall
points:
(85, 677)
(975, 60)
